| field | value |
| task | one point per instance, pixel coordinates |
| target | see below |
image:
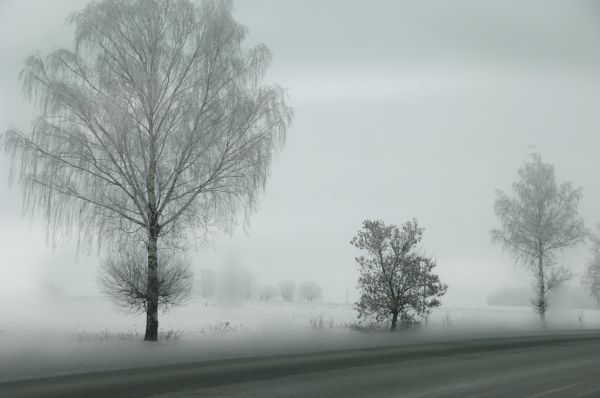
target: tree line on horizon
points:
(241, 285)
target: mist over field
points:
(401, 111)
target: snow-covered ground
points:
(83, 317)
(79, 334)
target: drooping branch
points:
(156, 116)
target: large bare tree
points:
(537, 222)
(155, 125)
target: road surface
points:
(565, 365)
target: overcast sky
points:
(403, 109)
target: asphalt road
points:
(565, 365)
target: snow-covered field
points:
(82, 318)
(80, 334)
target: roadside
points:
(50, 360)
(459, 366)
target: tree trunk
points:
(153, 232)
(152, 287)
(541, 304)
(394, 321)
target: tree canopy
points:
(396, 281)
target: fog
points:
(402, 109)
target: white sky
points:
(403, 109)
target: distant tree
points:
(248, 284)
(395, 280)
(156, 124)
(539, 220)
(236, 284)
(591, 276)
(267, 293)
(206, 283)
(124, 274)
(287, 291)
(310, 291)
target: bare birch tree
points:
(395, 280)
(540, 220)
(155, 126)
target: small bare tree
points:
(154, 126)
(395, 280)
(591, 277)
(540, 220)
(310, 291)
(287, 291)
(124, 275)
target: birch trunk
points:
(541, 293)
(152, 289)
